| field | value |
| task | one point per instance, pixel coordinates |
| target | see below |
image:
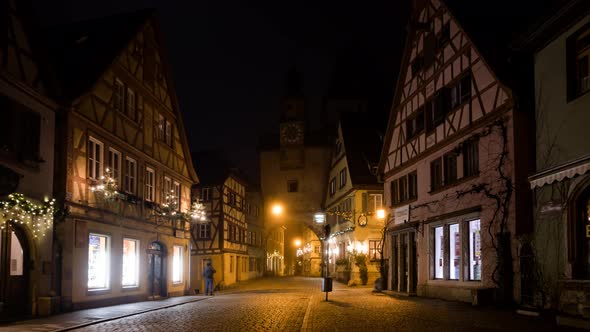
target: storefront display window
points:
(177, 265)
(454, 251)
(98, 261)
(130, 263)
(438, 253)
(474, 250)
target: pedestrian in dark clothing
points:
(208, 275)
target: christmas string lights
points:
(106, 187)
(20, 210)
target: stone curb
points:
(69, 328)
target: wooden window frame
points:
(93, 158)
(130, 183)
(150, 188)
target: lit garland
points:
(198, 213)
(106, 187)
(18, 209)
(344, 231)
(275, 254)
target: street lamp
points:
(297, 243)
(380, 214)
(277, 209)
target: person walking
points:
(208, 275)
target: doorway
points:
(14, 272)
(156, 270)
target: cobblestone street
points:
(296, 304)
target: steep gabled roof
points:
(492, 27)
(83, 51)
(215, 168)
(362, 143)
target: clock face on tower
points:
(292, 133)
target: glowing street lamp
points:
(297, 243)
(277, 209)
(381, 214)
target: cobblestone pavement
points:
(296, 304)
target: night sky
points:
(229, 59)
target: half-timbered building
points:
(353, 197)
(27, 132)
(227, 239)
(448, 160)
(127, 171)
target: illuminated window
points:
(98, 261)
(474, 250)
(438, 253)
(176, 193)
(16, 256)
(95, 151)
(374, 248)
(130, 263)
(454, 251)
(177, 266)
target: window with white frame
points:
(374, 250)
(377, 201)
(176, 192)
(150, 188)
(177, 264)
(95, 161)
(168, 194)
(115, 164)
(450, 261)
(98, 261)
(130, 175)
(474, 250)
(130, 275)
(454, 251)
(438, 253)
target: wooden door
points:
(14, 273)
(156, 275)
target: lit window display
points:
(98, 261)
(454, 251)
(177, 265)
(130, 263)
(474, 250)
(438, 252)
(16, 256)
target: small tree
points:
(360, 260)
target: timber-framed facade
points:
(123, 122)
(449, 167)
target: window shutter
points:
(365, 202)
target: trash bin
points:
(326, 284)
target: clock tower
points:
(292, 125)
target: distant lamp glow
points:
(319, 218)
(277, 209)
(297, 243)
(381, 214)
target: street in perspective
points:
(295, 304)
